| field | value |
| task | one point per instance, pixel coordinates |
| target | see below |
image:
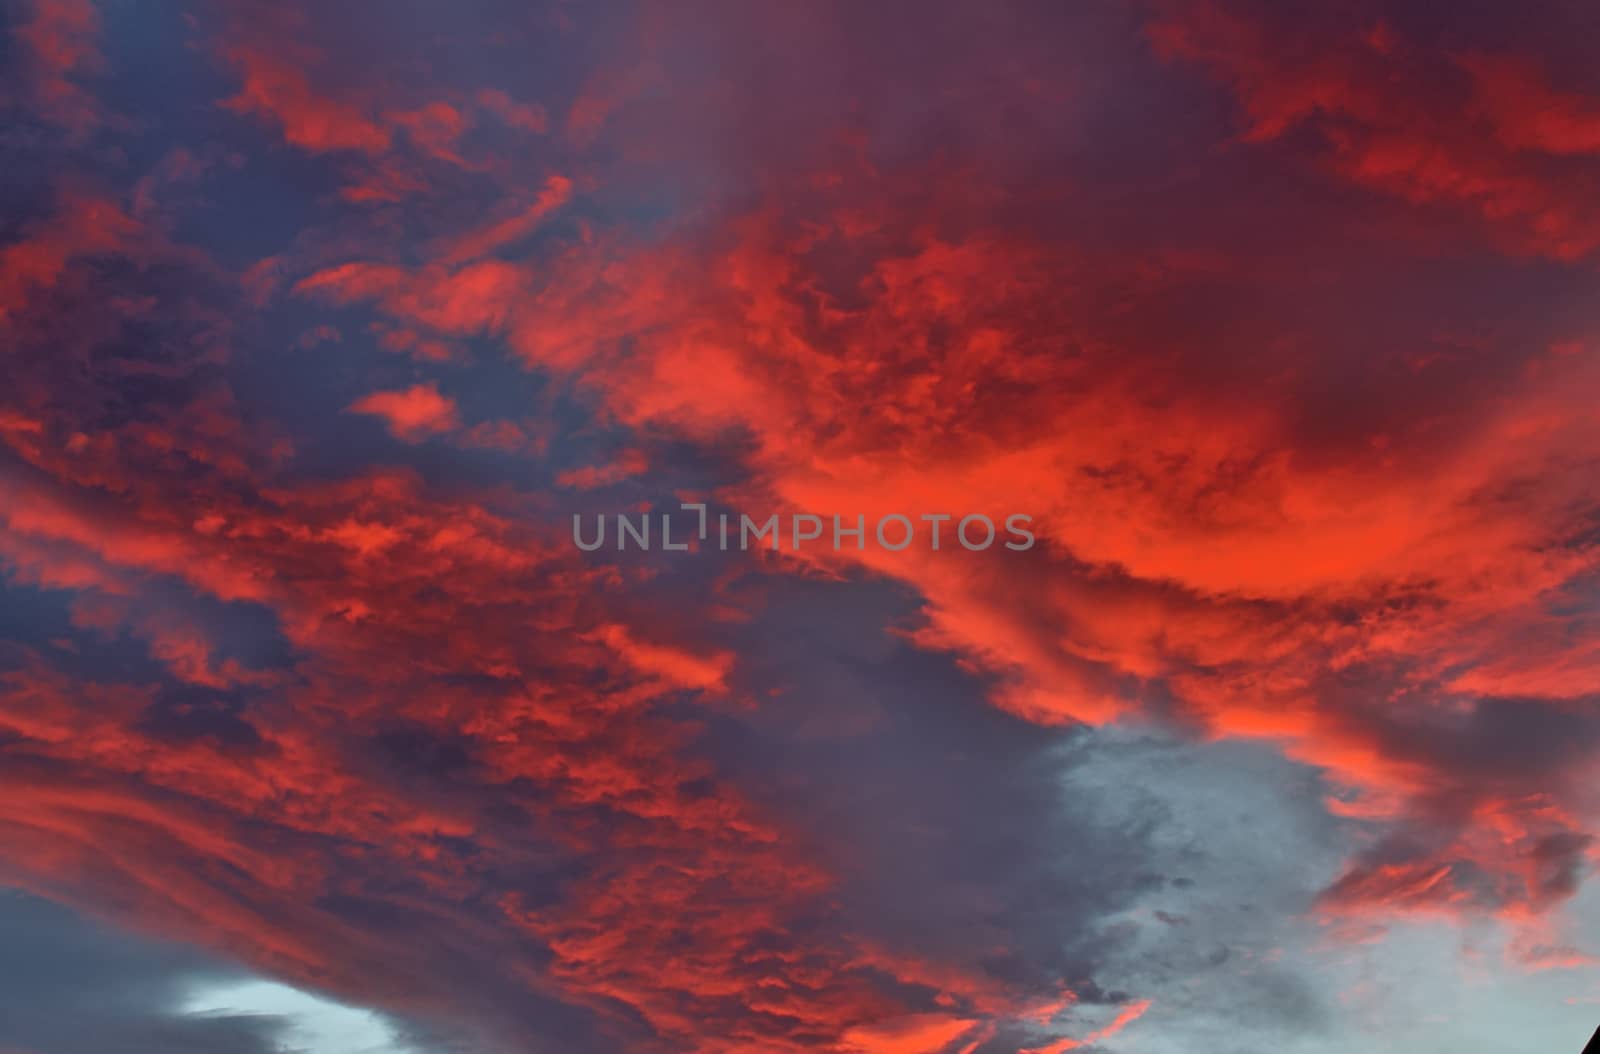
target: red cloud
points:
(1386, 119)
(1125, 1018)
(412, 413)
(1192, 539)
(60, 38)
(281, 92)
(529, 117)
(1528, 113)
(1290, 486)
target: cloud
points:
(1383, 109)
(1277, 330)
(411, 413)
(1122, 1021)
(71, 986)
(281, 92)
(59, 39)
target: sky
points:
(323, 324)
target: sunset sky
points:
(319, 323)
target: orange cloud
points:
(924, 1034)
(1128, 1016)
